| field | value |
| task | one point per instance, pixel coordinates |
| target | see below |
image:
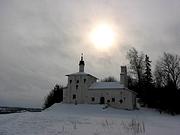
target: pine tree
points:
(148, 74)
(148, 94)
(54, 96)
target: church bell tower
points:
(81, 64)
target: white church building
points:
(83, 88)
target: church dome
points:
(81, 62)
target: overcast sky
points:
(41, 41)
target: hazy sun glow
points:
(102, 36)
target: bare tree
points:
(136, 61)
(168, 70)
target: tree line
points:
(159, 89)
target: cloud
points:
(41, 41)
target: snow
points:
(69, 119)
(106, 85)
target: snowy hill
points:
(66, 119)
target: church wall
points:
(77, 87)
(77, 91)
(65, 95)
(115, 98)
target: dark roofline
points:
(74, 74)
(105, 88)
(92, 76)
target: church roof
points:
(106, 85)
(81, 73)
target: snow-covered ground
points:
(66, 119)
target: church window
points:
(124, 98)
(93, 99)
(70, 81)
(113, 99)
(84, 80)
(76, 86)
(74, 96)
(77, 81)
(108, 101)
(121, 101)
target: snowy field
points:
(63, 119)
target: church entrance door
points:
(102, 100)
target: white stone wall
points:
(123, 76)
(126, 97)
(77, 85)
(65, 95)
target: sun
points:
(102, 36)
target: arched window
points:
(74, 96)
(113, 99)
(102, 100)
(121, 101)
